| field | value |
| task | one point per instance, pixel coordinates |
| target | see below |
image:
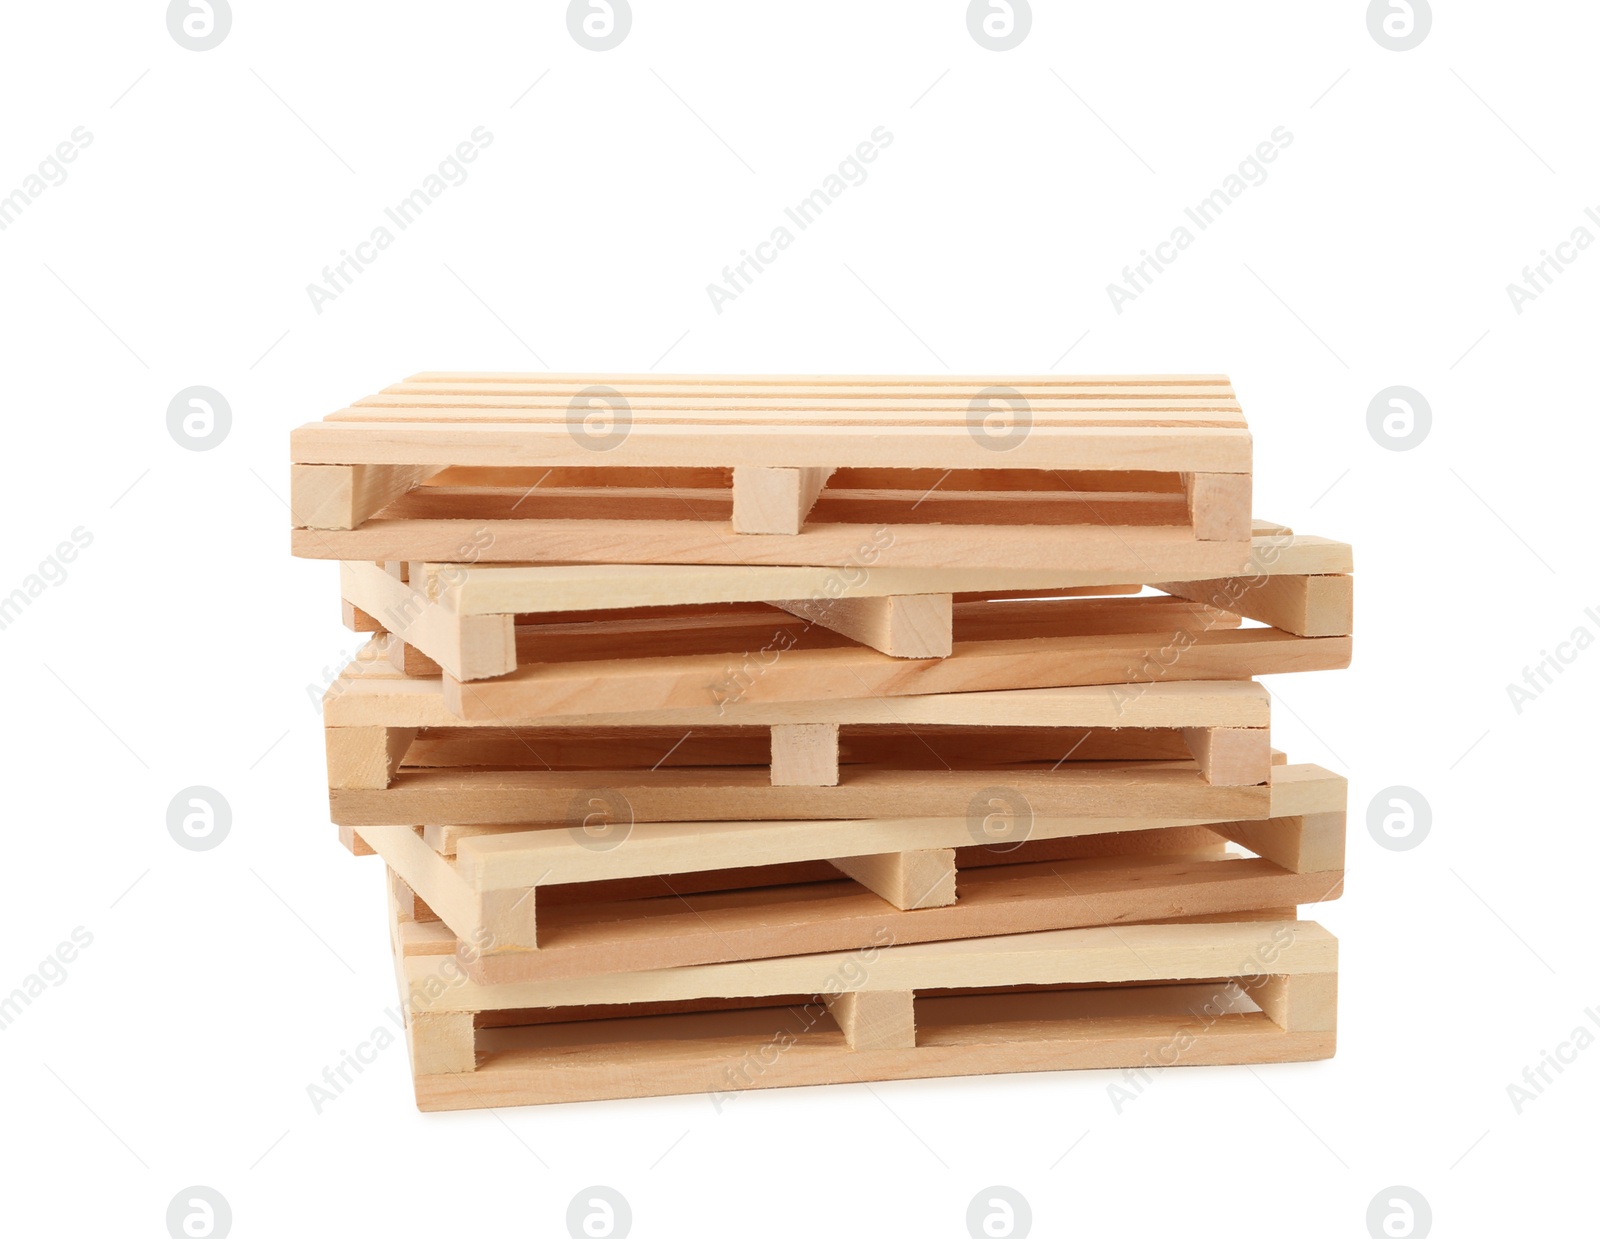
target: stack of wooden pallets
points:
(723, 733)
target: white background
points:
(179, 649)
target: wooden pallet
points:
(1236, 991)
(528, 904)
(464, 617)
(781, 470)
(375, 731)
(719, 658)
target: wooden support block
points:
(365, 757)
(353, 842)
(876, 1019)
(905, 626)
(357, 620)
(774, 500)
(1309, 843)
(442, 1042)
(1306, 1003)
(1308, 606)
(506, 920)
(1231, 756)
(908, 880)
(342, 496)
(408, 660)
(805, 755)
(469, 647)
(1219, 506)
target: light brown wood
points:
(1112, 552)
(1072, 956)
(441, 1042)
(1311, 606)
(341, 496)
(785, 666)
(1306, 1003)
(908, 880)
(875, 1020)
(1302, 830)
(1233, 756)
(805, 755)
(370, 693)
(1306, 843)
(1088, 789)
(365, 757)
(902, 626)
(469, 647)
(1109, 1003)
(767, 500)
(495, 589)
(1219, 506)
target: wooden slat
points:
(687, 930)
(523, 858)
(1074, 956)
(493, 589)
(396, 441)
(373, 696)
(569, 385)
(1088, 789)
(806, 670)
(1115, 552)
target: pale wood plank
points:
(805, 755)
(1073, 956)
(469, 647)
(876, 1020)
(767, 500)
(1233, 756)
(1305, 843)
(1219, 506)
(908, 880)
(1311, 606)
(903, 626)
(365, 757)
(520, 858)
(367, 697)
(341, 496)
